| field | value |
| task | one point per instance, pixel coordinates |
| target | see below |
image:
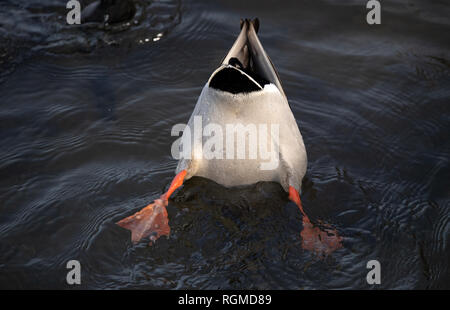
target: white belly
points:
(282, 156)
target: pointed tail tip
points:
(254, 22)
(241, 23)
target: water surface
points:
(85, 119)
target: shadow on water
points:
(85, 120)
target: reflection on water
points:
(85, 123)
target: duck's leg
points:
(322, 241)
(152, 220)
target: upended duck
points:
(243, 94)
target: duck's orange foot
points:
(151, 221)
(320, 241)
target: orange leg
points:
(176, 182)
(295, 197)
(322, 242)
(153, 219)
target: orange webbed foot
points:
(321, 240)
(151, 221)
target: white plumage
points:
(267, 106)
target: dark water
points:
(85, 120)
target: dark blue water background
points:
(85, 119)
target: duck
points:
(108, 11)
(241, 131)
